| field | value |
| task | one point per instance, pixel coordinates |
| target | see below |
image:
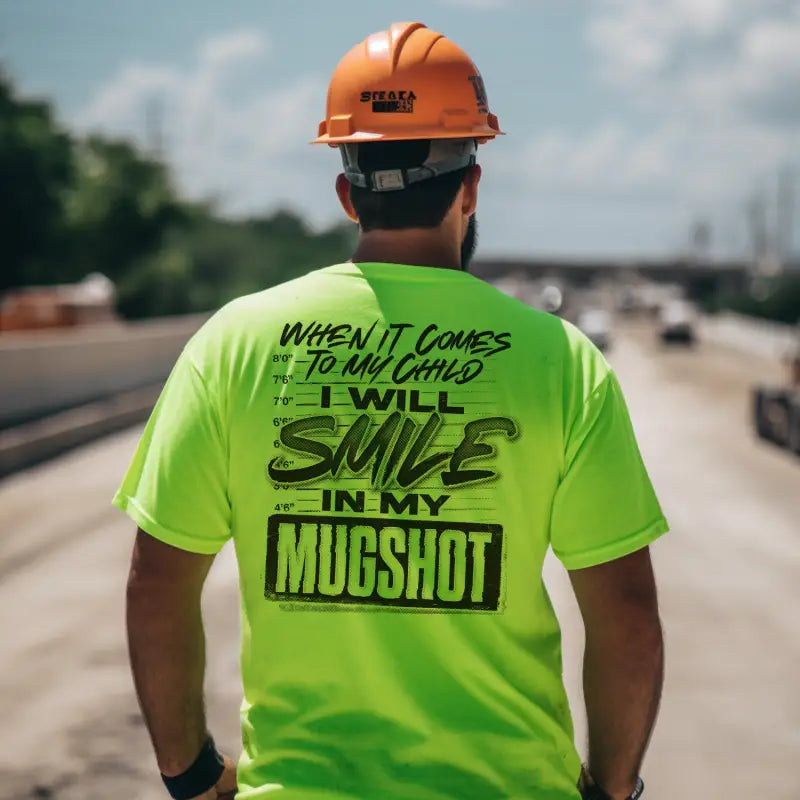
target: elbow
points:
(649, 638)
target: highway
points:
(729, 578)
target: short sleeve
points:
(176, 486)
(605, 506)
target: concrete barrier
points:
(45, 372)
(25, 445)
(59, 389)
(750, 336)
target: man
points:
(392, 445)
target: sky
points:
(626, 120)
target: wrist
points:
(592, 790)
(200, 777)
(628, 791)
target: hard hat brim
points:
(483, 134)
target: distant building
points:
(88, 302)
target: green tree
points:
(77, 206)
(36, 171)
(209, 260)
(777, 299)
(119, 208)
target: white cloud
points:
(707, 56)
(770, 51)
(477, 5)
(638, 38)
(707, 106)
(231, 47)
(248, 150)
(633, 44)
(119, 99)
(608, 159)
(704, 98)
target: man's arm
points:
(167, 652)
(623, 666)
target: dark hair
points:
(421, 205)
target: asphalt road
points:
(729, 576)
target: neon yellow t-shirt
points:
(392, 449)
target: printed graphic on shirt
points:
(386, 449)
(428, 564)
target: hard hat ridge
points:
(392, 40)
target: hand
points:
(225, 787)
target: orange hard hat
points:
(406, 83)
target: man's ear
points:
(343, 191)
(469, 197)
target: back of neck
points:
(418, 247)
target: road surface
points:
(729, 576)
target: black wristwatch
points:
(595, 792)
(201, 776)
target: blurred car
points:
(776, 409)
(551, 299)
(677, 323)
(596, 325)
(628, 300)
(655, 297)
(776, 414)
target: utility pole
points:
(700, 240)
(784, 239)
(154, 126)
(757, 219)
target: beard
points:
(470, 243)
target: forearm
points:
(623, 676)
(167, 652)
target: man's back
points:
(392, 449)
